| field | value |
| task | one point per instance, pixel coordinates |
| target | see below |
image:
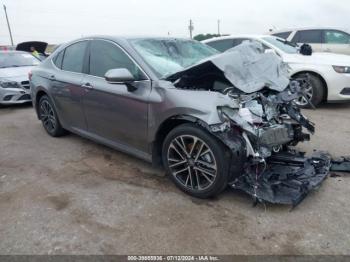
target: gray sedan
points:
(210, 119)
(14, 83)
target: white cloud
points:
(62, 20)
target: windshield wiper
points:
(286, 42)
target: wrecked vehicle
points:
(210, 119)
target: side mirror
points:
(119, 76)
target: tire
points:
(204, 153)
(49, 118)
(317, 92)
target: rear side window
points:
(283, 35)
(308, 36)
(105, 56)
(73, 59)
(221, 45)
(336, 37)
(58, 59)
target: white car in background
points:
(14, 80)
(329, 74)
(321, 39)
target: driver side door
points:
(114, 114)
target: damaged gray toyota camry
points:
(212, 120)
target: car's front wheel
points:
(196, 161)
(48, 117)
(314, 92)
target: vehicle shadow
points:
(16, 106)
(332, 106)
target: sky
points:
(63, 20)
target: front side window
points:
(73, 59)
(17, 59)
(106, 55)
(336, 37)
(308, 36)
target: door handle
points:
(52, 77)
(87, 85)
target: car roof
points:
(131, 37)
(307, 28)
(256, 36)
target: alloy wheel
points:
(308, 91)
(47, 116)
(192, 162)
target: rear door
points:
(336, 41)
(114, 112)
(311, 37)
(67, 90)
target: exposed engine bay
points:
(263, 122)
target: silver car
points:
(14, 83)
(210, 119)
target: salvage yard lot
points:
(69, 195)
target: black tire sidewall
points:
(317, 90)
(221, 154)
(58, 131)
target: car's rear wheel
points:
(314, 92)
(48, 117)
(196, 161)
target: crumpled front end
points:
(262, 124)
(271, 124)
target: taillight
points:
(30, 74)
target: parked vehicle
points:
(14, 82)
(329, 73)
(172, 102)
(321, 39)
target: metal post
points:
(219, 27)
(190, 27)
(8, 25)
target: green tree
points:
(202, 37)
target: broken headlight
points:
(9, 84)
(342, 69)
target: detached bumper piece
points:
(341, 164)
(285, 178)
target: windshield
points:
(168, 56)
(281, 44)
(9, 59)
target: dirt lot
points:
(72, 196)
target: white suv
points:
(321, 39)
(329, 73)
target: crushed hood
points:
(246, 66)
(25, 46)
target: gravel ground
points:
(72, 196)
